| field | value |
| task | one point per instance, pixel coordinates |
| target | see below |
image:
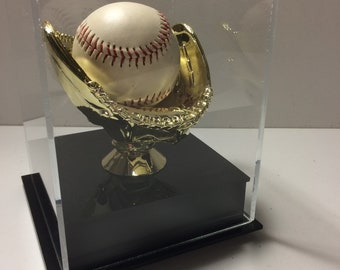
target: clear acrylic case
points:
(211, 192)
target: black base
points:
(124, 224)
(45, 220)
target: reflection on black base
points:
(120, 192)
(110, 218)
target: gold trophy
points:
(135, 127)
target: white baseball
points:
(130, 50)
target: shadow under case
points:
(89, 218)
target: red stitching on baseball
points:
(142, 52)
(147, 100)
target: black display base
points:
(116, 222)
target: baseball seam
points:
(148, 99)
(142, 54)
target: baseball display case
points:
(153, 146)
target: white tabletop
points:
(299, 200)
